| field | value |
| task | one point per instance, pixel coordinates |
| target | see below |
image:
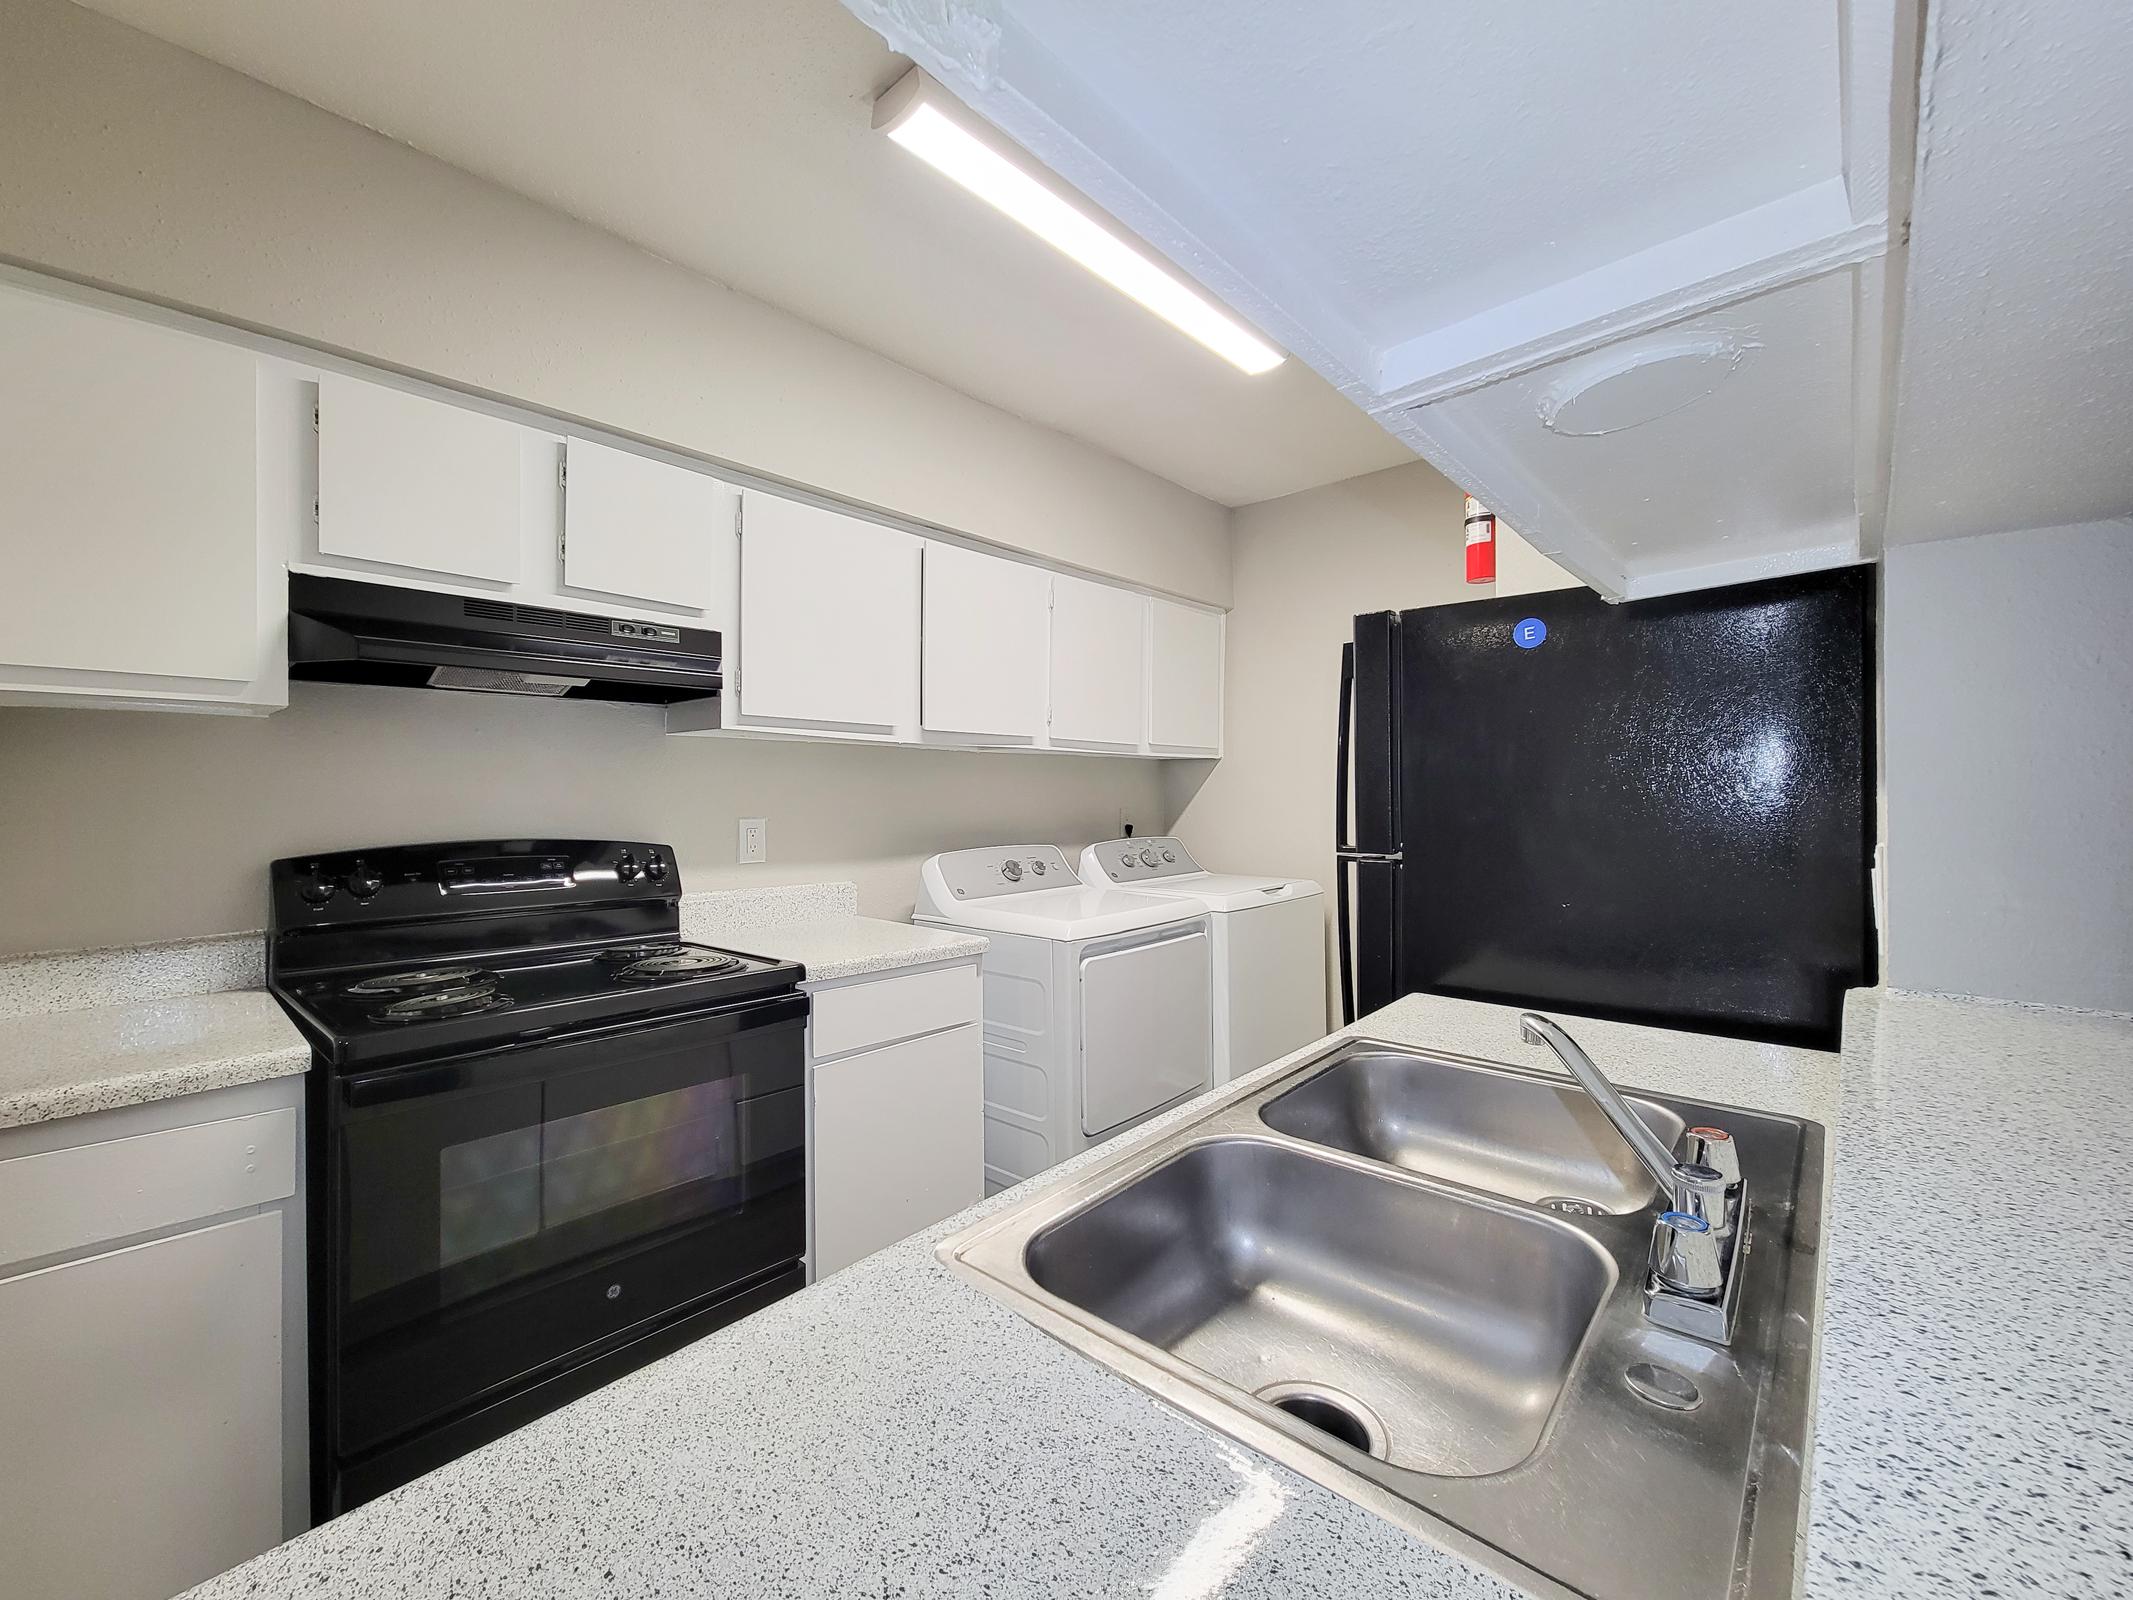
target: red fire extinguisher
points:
(1480, 542)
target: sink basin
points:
(1441, 1328)
(1359, 1268)
(1533, 1139)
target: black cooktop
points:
(423, 951)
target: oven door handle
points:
(502, 1065)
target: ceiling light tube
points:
(930, 123)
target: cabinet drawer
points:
(863, 1015)
(69, 1199)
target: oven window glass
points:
(525, 1163)
(489, 1193)
(505, 1187)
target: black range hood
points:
(342, 630)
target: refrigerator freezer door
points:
(1659, 811)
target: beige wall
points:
(130, 826)
(130, 163)
(1303, 567)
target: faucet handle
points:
(1686, 1256)
(1714, 1148)
(1701, 1192)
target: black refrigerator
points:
(1660, 811)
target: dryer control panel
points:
(999, 869)
(1137, 860)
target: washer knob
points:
(1011, 871)
(362, 881)
(1169, 856)
(1036, 866)
(1147, 856)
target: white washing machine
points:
(1269, 946)
(1098, 1004)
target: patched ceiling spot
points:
(1624, 389)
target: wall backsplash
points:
(128, 827)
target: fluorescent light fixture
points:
(929, 122)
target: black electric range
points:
(549, 1140)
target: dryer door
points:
(1146, 1031)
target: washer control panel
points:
(1004, 869)
(1137, 860)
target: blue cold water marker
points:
(1528, 632)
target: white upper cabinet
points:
(128, 508)
(985, 660)
(1184, 678)
(828, 623)
(640, 528)
(418, 484)
(1096, 663)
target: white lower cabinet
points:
(151, 1300)
(897, 1128)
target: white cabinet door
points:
(128, 496)
(639, 528)
(983, 644)
(416, 483)
(828, 617)
(899, 1142)
(1096, 645)
(142, 1414)
(1184, 677)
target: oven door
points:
(501, 1216)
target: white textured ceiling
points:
(735, 139)
(2014, 400)
(1420, 163)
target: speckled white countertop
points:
(893, 1431)
(68, 1062)
(851, 947)
(817, 925)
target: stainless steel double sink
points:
(1418, 1279)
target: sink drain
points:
(1571, 1206)
(1330, 1413)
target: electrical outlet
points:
(755, 840)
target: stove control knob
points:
(1011, 871)
(656, 869)
(362, 881)
(626, 868)
(1147, 857)
(318, 888)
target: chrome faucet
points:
(1688, 1186)
(1695, 1241)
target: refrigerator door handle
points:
(1343, 846)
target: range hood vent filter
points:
(488, 682)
